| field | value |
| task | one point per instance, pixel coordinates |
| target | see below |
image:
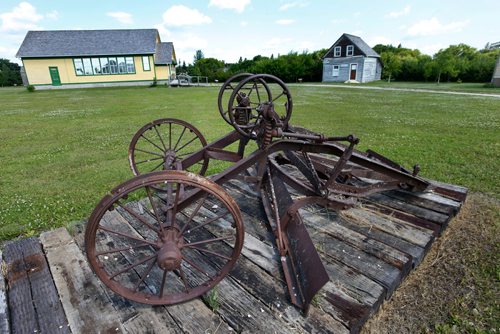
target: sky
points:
(230, 29)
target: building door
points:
(354, 68)
(54, 76)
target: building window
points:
(78, 66)
(104, 65)
(336, 51)
(335, 71)
(350, 50)
(145, 63)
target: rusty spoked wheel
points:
(162, 144)
(164, 248)
(225, 92)
(248, 98)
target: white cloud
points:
(180, 15)
(237, 5)
(164, 32)
(289, 5)
(400, 13)
(53, 15)
(434, 27)
(243, 23)
(285, 22)
(122, 17)
(186, 44)
(22, 17)
(379, 40)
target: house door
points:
(354, 68)
(54, 76)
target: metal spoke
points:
(132, 266)
(152, 143)
(139, 218)
(116, 250)
(161, 163)
(211, 220)
(189, 142)
(180, 137)
(161, 139)
(145, 274)
(148, 160)
(277, 97)
(193, 214)
(152, 243)
(157, 215)
(163, 279)
(184, 281)
(195, 266)
(211, 252)
(153, 153)
(208, 241)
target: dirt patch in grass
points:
(456, 289)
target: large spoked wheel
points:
(162, 144)
(225, 92)
(163, 248)
(247, 101)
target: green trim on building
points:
(97, 82)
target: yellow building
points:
(94, 58)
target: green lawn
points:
(61, 151)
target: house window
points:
(78, 66)
(145, 63)
(96, 66)
(336, 51)
(350, 50)
(87, 66)
(335, 71)
(104, 65)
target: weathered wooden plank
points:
(452, 191)
(86, 304)
(28, 270)
(379, 271)
(449, 208)
(384, 252)
(22, 312)
(418, 211)
(399, 228)
(4, 307)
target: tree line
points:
(456, 63)
(10, 73)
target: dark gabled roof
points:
(70, 43)
(164, 54)
(357, 41)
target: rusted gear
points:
(176, 245)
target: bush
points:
(30, 88)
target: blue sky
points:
(228, 29)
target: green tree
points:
(198, 56)
(10, 73)
(392, 65)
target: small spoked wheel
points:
(164, 248)
(163, 144)
(225, 92)
(252, 96)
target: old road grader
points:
(185, 232)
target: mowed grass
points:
(62, 151)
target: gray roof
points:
(71, 43)
(164, 53)
(365, 48)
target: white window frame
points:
(146, 66)
(335, 70)
(350, 50)
(337, 51)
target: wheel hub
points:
(169, 255)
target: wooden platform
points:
(367, 251)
